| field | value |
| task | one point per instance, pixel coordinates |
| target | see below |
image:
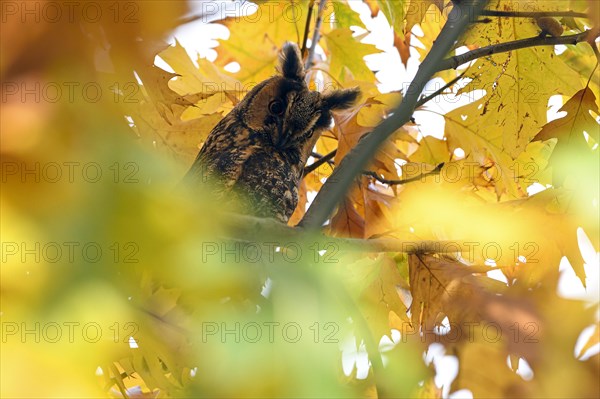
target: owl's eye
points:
(276, 107)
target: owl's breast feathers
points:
(243, 164)
(223, 154)
(270, 183)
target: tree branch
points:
(316, 35)
(456, 61)
(319, 156)
(264, 230)
(372, 174)
(533, 14)
(435, 171)
(425, 100)
(335, 188)
(325, 158)
(307, 27)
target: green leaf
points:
(394, 12)
(347, 52)
(417, 9)
(344, 16)
(572, 154)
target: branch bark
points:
(324, 159)
(316, 35)
(307, 27)
(264, 230)
(456, 61)
(533, 14)
(335, 188)
(389, 182)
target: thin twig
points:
(425, 100)
(307, 27)
(533, 14)
(323, 159)
(316, 34)
(456, 61)
(317, 155)
(389, 182)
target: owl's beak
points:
(283, 139)
(283, 135)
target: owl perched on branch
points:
(256, 154)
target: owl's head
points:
(284, 112)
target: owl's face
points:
(284, 113)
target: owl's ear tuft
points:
(291, 62)
(341, 99)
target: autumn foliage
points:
(457, 240)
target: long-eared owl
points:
(257, 152)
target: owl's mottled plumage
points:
(258, 151)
